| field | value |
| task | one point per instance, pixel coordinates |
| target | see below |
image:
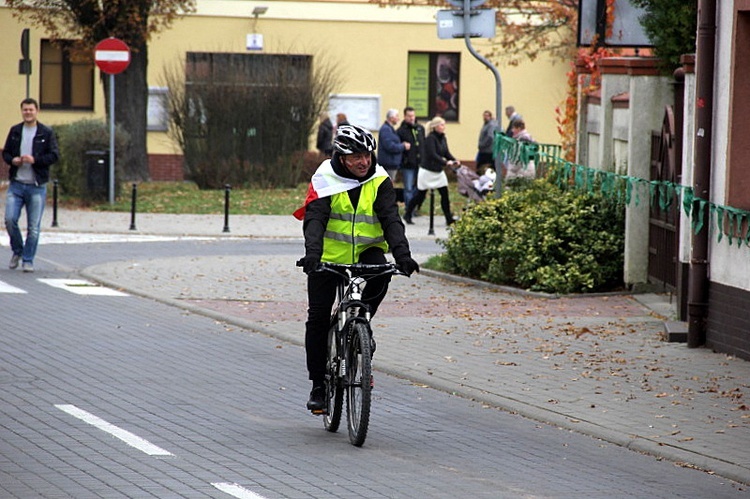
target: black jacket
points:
(436, 152)
(324, 141)
(44, 150)
(414, 135)
(385, 207)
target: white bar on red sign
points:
(112, 55)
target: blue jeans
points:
(410, 184)
(34, 198)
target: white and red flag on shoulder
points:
(325, 182)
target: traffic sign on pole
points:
(112, 56)
(450, 24)
(473, 4)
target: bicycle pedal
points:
(319, 412)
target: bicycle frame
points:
(349, 357)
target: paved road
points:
(222, 406)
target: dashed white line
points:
(7, 288)
(124, 435)
(236, 490)
(233, 489)
(86, 238)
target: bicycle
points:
(349, 359)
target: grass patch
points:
(437, 263)
(185, 197)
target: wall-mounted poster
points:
(362, 110)
(433, 84)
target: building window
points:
(433, 84)
(64, 82)
(738, 174)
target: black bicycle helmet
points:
(352, 139)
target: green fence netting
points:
(731, 222)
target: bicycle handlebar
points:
(376, 268)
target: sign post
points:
(24, 64)
(467, 23)
(112, 56)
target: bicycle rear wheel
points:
(334, 389)
(359, 389)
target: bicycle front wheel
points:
(359, 379)
(334, 390)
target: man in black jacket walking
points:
(412, 132)
(30, 150)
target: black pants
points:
(445, 203)
(484, 158)
(321, 293)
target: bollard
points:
(431, 232)
(54, 203)
(132, 206)
(227, 188)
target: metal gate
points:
(664, 222)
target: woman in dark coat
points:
(431, 174)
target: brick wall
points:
(728, 328)
(165, 167)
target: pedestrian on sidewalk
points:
(431, 174)
(324, 142)
(350, 216)
(486, 142)
(412, 132)
(392, 147)
(512, 115)
(519, 169)
(30, 149)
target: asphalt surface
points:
(594, 365)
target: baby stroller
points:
(473, 185)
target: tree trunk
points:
(131, 100)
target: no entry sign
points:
(112, 56)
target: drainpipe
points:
(704, 105)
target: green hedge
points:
(542, 238)
(75, 139)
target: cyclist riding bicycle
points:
(350, 216)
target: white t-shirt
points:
(25, 173)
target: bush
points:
(541, 238)
(75, 139)
(246, 119)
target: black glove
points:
(407, 265)
(309, 263)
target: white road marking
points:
(124, 435)
(82, 287)
(49, 237)
(236, 491)
(7, 288)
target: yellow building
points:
(376, 49)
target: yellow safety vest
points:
(350, 232)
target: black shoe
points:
(408, 220)
(317, 402)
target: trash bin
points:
(97, 174)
